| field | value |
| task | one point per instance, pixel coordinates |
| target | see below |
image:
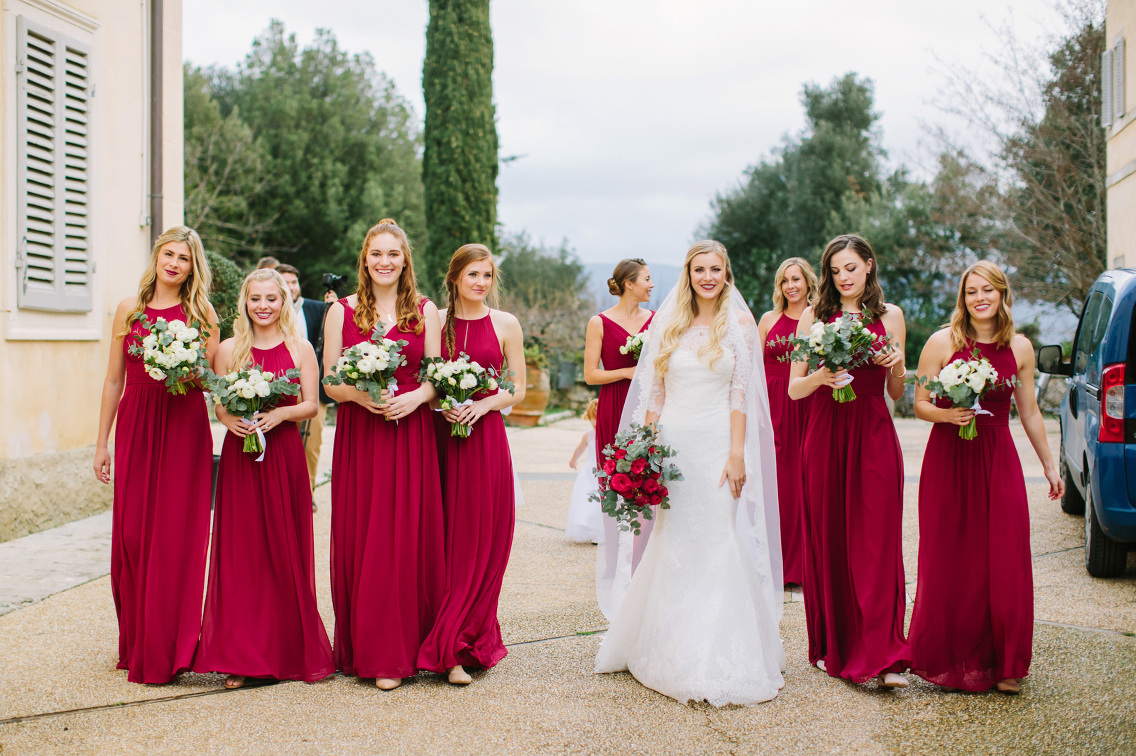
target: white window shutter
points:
(74, 150)
(53, 179)
(1118, 104)
(1106, 88)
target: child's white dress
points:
(584, 516)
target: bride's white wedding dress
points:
(696, 622)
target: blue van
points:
(1098, 421)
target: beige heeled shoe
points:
(458, 676)
(387, 683)
(892, 680)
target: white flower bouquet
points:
(245, 392)
(842, 345)
(634, 345)
(457, 381)
(172, 351)
(964, 383)
(369, 366)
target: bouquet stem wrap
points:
(254, 443)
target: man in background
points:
(267, 262)
(309, 322)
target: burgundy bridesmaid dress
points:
(611, 400)
(163, 462)
(261, 617)
(478, 501)
(973, 619)
(387, 558)
(614, 394)
(852, 470)
(789, 418)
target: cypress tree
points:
(459, 165)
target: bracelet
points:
(901, 375)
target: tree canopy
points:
(296, 152)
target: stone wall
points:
(45, 490)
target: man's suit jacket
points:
(313, 317)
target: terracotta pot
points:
(528, 411)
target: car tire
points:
(1104, 557)
(1072, 502)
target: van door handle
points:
(1093, 391)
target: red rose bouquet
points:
(633, 477)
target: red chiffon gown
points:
(478, 500)
(387, 558)
(789, 418)
(853, 493)
(163, 465)
(973, 619)
(261, 617)
(610, 408)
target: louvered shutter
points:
(1118, 104)
(53, 171)
(1106, 88)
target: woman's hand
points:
(958, 415)
(826, 377)
(102, 465)
(468, 414)
(266, 421)
(734, 472)
(401, 405)
(888, 359)
(1056, 484)
(234, 424)
(363, 399)
(627, 373)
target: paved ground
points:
(60, 693)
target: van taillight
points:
(1112, 404)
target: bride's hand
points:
(735, 473)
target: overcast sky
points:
(631, 115)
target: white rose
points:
(248, 392)
(949, 376)
(451, 381)
(156, 374)
(976, 382)
(623, 350)
(468, 382)
(382, 363)
(268, 376)
(150, 342)
(431, 368)
(176, 325)
(195, 346)
(366, 365)
(475, 366)
(263, 389)
(492, 384)
(254, 376)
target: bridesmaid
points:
(795, 289)
(607, 332)
(972, 627)
(853, 484)
(387, 558)
(478, 482)
(163, 460)
(261, 617)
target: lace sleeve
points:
(657, 396)
(742, 342)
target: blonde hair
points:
(406, 304)
(194, 294)
(807, 272)
(466, 255)
(242, 325)
(592, 411)
(685, 312)
(961, 328)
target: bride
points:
(697, 618)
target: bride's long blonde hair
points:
(685, 311)
(242, 325)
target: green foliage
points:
(829, 181)
(227, 280)
(297, 152)
(459, 167)
(546, 288)
(786, 203)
